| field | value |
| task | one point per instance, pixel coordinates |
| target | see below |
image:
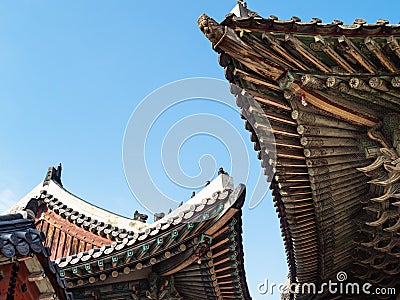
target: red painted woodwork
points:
(65, 238)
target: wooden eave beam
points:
(330, 107)
(334, 55)
(315, 119)
(227, 40)
(302, 50)
(376, 50)
(394, 45)
(274, 44)
(268, 100)
(261, 47)
(312, 142)
(223, 220)
(360, 91)
(256, 79)
(278, 117)
(351, 49)
(310, 130)
(182, 266)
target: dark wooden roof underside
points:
(331, 94)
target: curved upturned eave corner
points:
(208, 227)
(67, 223)
(217, 33)
(318, 99)
(215, 212)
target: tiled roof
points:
(314, 26)
(167, 245)
(19, 240)
(199, 240)
(242, 17)
(72, 225)
(80, 219)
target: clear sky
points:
(72, 73)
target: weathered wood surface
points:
(337, 82)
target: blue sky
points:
(72, 72)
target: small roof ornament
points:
(240, 10)
(54, 174)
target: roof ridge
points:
(187, 211)
(80, 219)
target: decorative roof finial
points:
(242, 3)
(222, 172)
(140, 217)
(53, 174)
(241, 10)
